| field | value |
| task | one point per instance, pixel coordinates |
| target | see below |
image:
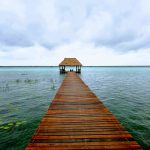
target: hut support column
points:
(64, 70)
(60, 69)
(79, 69)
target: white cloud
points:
(98, 32)
(88, 54)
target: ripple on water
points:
(125, 91)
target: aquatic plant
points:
(27, 80)
(4, 127)
(18, 123)
(30, 81)
(5, 87)
(18, 81)
(53, 83)
(12, 125)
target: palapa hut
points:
(70, 62)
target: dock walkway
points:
(77, 119)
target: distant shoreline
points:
(82, 66)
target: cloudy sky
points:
(97, 32)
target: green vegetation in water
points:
(17, 80)
(4, 127)
(17, 138)
(5, 87)
(1, 122)
(18, 123)
(53, 82)
(30, 81)
(26, 81)
(11, 125)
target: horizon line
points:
(87, 66)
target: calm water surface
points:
(26, 92)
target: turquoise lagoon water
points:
(26, 92)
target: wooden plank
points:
(83, 136)
(77, 119)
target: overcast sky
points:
(97, 32)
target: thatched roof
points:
(70, 62)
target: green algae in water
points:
(10, 124)
(18, 123)
(5, 127)
(1, 127)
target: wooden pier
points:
(77, 119)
